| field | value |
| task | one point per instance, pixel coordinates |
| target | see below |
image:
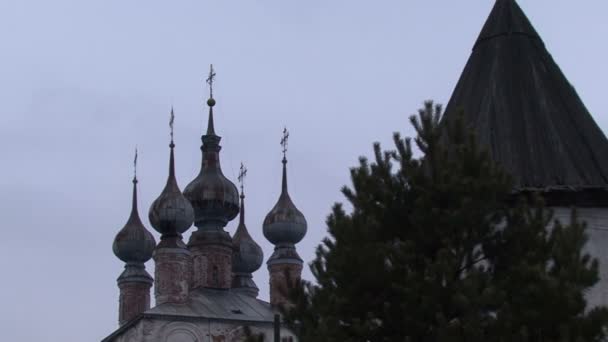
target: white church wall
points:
(597, 246)
(157, 330)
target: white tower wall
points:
(597, 246)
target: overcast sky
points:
(83, 82)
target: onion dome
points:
(214, 198)
(248, 255)
(134, 244)
(171, 214)
(284, 224)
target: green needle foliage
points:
(439, 248)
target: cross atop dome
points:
(171, 120)
(284, 141)
(135, 166)
(210, 79)
(241, 178)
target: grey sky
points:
(83, 82)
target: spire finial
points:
(135, 166)
(134, 213)
(284, 143)
(210, 79)
(241, 178)
(211, 100)
(171, 120)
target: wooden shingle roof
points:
(525, 112)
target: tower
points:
(171, 215)
(531, 121)
(134, 245)
(215, 202)
(248, 255)
(284, 226)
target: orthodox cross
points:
(241, 178)
(284, 141)
(171, 123)
(210, 80)
(135, 166)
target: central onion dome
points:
(248, 255)
(214, 198)
(171, 214)
(284, 224)
(134, 244)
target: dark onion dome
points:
(214, 198)
(171, 214)
(134, 243)
(284, 224)
(248, 255)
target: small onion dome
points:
(171, 214)
(248, 255)
(284, 223)
(214, 198)
(134, 243)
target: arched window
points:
(182, 336)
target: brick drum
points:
(134, 299)
(212, 266)
(172, 275)
(279, 276)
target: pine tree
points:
(438, 248)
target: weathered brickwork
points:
(134, 299)
(280, 274)
(172, 275)
(212, 266)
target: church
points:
(514, 96)
(204, 289)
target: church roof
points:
(209, 304)
(218, 305)
(525, 112)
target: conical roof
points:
(506, 18)
(525, 112)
